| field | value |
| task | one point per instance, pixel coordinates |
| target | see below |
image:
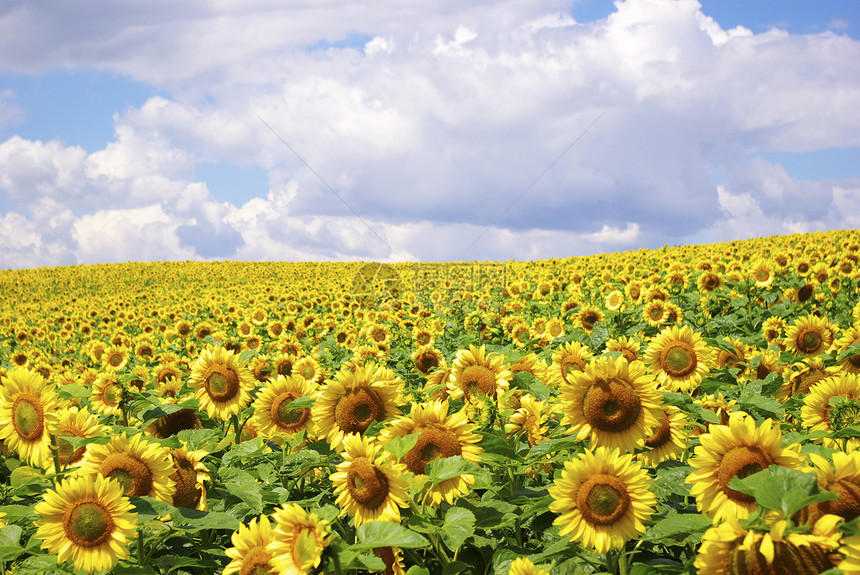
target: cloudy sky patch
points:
(391, 132)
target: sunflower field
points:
(690, 409)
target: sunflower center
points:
(88, 524)
(741, 462)
(286, 417)
(845, 415)
(256, 562)
(172, 423)
(28, 417)
(803, 382)
(112, 394)
(305, 548)
(425, 362)
(678, 359)
(222, 382)
(115, 359)
(602, 499)
(478, 380)
(134, 476)
(808, 341)
(434, 443)
(611, 405)
(762, 274)
(358, 409)
(307, 372)
(366, 483)
(661, 435)
(569, 365)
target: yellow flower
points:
(141, 468)
(729, 548)
(250, 553)
(86, 521)
(603, 499)
(221, 383)
(614, 403)
(367, 484)
(28, 415)
(679, 358)
(354, 400)
(738, 449)
(74, 422)
(273, 416)
(298, 541)
(475, 372)
(531, 416)
(441, 435)
(524, 566)
(567, 359)
(823, 411)
(809, 336)
(189, 474)
(668, 439)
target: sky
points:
(391, 130)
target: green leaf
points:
(400, 446)
(493, 444)
(446, 468)
(73, 390)
(551, 446)
(250, 448)
(302, 402)
(459, 525)
(387, 534)
(455, 568)
(149, 507)
(677, 527)
(417, 570)
(599, 335)
(10, 546)
(243, 485)
(782, 489)
(202, 439)
(192, 520)
(670, 480)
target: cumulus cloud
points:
(386, 140)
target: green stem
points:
(55, 454)
(336, 559)
(141, 556)
(234, 419)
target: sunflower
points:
(679, 358)
(273, 416)
(833, 404)
(427, 357)
(86, 521)
(262, 367)
(142, 468)
(772, 330)
(475, 372)
(655, 313)
(587, 317)
(368, 485)
(719, 405)
(668, 439)
(801, 376)
(309, 368)
(174, 422)
(614, 403)
(709, 281)
(532, 364)
(530, 416)
(524, 566)
(738, 449)
(629, 347)
(354, 400)
(762, 273)
(841, 477)
(298, 540)
(809, 336)
(731, 359)
(729, 548)
(189, 475)
(441, 435)
(603, 499)
(107, 394)
(250, 554)
(848, 338)
(567, 359)
(75, 422)
(554, 328)
(28, 415)
(221, 383)
(115, 357)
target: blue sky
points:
(151, 131)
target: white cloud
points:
(428, 133)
